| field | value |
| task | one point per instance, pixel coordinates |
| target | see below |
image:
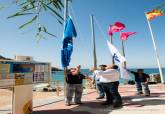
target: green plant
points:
(34, 8)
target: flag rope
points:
(72, 12)
(100, 28)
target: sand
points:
(6, 96)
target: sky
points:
(138, 48)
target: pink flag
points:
(125, 35)
(118, 26)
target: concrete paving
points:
(132, 104)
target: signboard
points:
(11, 79)
(23, 78)
(23, 74)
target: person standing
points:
(99, 85)
(141, 80)
(74, 85)
(110, 81)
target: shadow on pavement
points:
(140, 101)
(92, 107)
(60, 111)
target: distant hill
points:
(4, 58)
(56, 69)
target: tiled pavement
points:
(132, 104)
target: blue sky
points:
(138, 48)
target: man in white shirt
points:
(110, 81)
(96, 80)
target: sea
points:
(59, 75)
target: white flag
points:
(118, 58)
(124, 73)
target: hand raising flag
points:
(118, 26)
(125, 35)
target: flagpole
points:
(156, 53)
(94, 44)
(111, 40)
(123, 52)
(65, 68)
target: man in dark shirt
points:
(141, 80)
(74, 81)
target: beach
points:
(6, 96)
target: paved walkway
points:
(132, 104)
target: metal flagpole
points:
(94, 45)
(111, 40)
(156, 53)
(65, 16)
(123, 52)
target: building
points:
(24, 70)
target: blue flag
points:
(69, 33)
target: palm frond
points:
(29, 22)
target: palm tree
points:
(34, 8)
